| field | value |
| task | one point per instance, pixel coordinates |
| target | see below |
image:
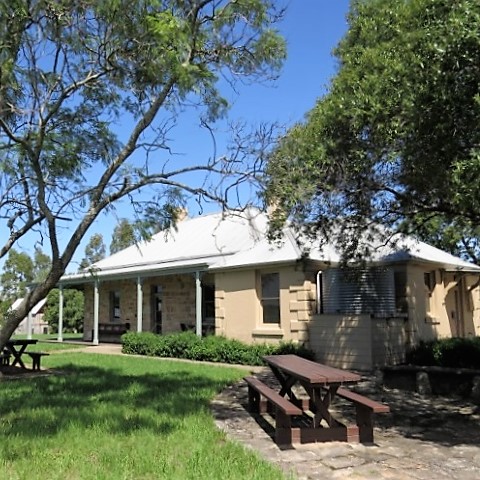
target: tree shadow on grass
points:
(91, 396)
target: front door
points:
(208, 307)
(156, 297)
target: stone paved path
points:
(432, 438)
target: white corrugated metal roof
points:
(410, 249)
(16, 303)
(220, 241)
(34, 310)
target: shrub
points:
(187, 345)
(448, 352)
(144, 344)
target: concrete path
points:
(423, 438)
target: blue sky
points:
(312, 28)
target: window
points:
(401, 297)
(429, 279)
(270, 298)
(115, 306)
(208, 302)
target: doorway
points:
(156, 302)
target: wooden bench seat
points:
(365, 408)
(36, 357)
(282, 408)
(112, 332)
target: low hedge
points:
(448, 352)
(212, 348)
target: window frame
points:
(272, 300)
(115, 303)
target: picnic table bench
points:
(365, 408)
(111, 332)
(36, 357)
(321, 384)
(283, 408)
(16, 347)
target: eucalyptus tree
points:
(94, 251)
(17, 275)
(396, 140)
(89, 93)
(73, 310)
(20, 272)
(123, 236)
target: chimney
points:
(181, 213)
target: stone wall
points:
(460, 382)
(302, 304)
(178, 303)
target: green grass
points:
(47, 343)
(119, 417)
(50, 346)
(52, 336)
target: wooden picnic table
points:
(17, 348)
(322, 384)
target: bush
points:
(448, 352)
(187, 345)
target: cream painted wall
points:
(428, 314)
(436, 313)
(449, 309)
(238, 307)
(236, 304)
(473, 303)
(342, 341)
(357, 341)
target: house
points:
(34, 323)
(218, 274)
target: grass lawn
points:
(47, 342)
(119, 417)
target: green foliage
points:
(18, 272)
(450, 352)
(396, 138)
(123, 236)
(41, 265)
(4, 307)
(73, 310)
(212, 348)
(94, 251)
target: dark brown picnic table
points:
(17, 348)
(322, 384)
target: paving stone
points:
(336, 463)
